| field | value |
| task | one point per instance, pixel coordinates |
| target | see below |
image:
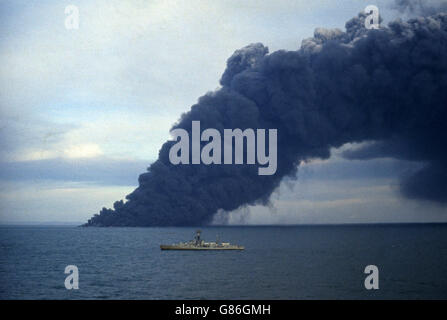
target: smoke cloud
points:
(421, 7)
(385, 87)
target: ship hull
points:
(170, 247)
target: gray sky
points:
(83, 112)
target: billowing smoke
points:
(421, 7)
(385, 87)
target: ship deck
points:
(198, 248)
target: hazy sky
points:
(83, 112)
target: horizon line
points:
(79, 224)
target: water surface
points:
(299, 262)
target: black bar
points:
(220, 309)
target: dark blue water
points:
(306, 262)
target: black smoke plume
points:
(420, 7)
(386, 87)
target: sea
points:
(279, 262)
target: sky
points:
(83, 112)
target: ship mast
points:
(197, 237)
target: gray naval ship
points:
(199, 244)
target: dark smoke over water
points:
(387, 87)
(420, 7)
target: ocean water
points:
(299, 262)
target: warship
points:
(199, 244)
